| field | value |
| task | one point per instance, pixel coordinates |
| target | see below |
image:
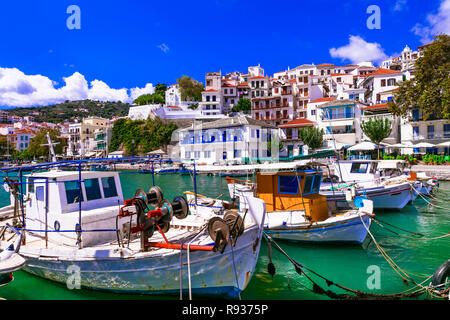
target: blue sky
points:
(121, 43)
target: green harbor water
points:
(348, 265)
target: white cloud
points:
(359, 50)
(136, 92)
(20, 90)
(435, 23)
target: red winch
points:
(150, 220)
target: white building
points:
(380, 81)
(142, 112)
(414, 129)
(236, 139)
(339, 119)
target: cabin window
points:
(40, 193)
(316, 184)
(109, 187)
(92, 189)
(288, 184)
(73, 192)
(308, 184)
(359, 167)
(30, 186)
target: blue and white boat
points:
(298, 211)
(382, 181)
(10, 260)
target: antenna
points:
(51, 151)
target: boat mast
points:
(334, 143)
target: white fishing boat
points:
(10, 260)
(88, 235)
(382, 181)
(297, 211)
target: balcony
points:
(377, 116)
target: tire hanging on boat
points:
(441, 274)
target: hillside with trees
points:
(71, 110)
(147, 135)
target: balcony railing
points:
(440, 135)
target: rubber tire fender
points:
(441, 274)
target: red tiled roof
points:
(243, 84)
(25, 131)
(228, 85)
(324, 99)
(298, 123)
(258, 77)
(340, 74)
(210, 90)
(381, 71)
(425, 45)
(376, 106)
(174, 107)
(325, 65)
(292, 80)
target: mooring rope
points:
(429, 203)
(357, 294)
(395, 266)
(420, 235)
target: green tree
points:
(193, 106)
(6, 147)
(160, 89)
(312, 137)
(190, 89)
(154, 98)
(147, 135)
(36, 150)
(243, 105)
(377, 130)
(429, 91)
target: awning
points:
(363, 146)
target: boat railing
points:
(78, 164)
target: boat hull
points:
(212, 273)
(396, 197)
(348, 231)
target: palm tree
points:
(377, 130)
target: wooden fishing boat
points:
(297, 211)
(86, 235)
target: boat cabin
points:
(53, 203)
(293, 190)
(367, 170)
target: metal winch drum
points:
(220, 230)
(164, 211)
